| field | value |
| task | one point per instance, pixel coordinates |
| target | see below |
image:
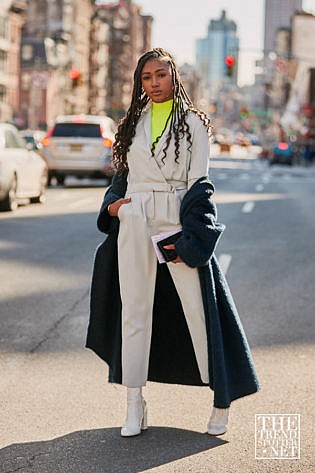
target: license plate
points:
(75, 147)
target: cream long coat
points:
(156, 189)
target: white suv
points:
(80, 146)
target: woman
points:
(161, 153)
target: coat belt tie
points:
(154, 187)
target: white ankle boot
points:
(136, 419)
(218, 421)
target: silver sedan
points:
(23, 173)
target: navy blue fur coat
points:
(172, 359)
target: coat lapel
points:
(146, 123)
(160, 144)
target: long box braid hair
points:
(178, 124)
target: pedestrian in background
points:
(171, 322)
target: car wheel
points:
(50, 178)
(41, 198)
(60, 180)
(9, 203)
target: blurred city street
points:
(70, 71)
(59, 414)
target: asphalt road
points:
(59, 414)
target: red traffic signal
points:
(230, 62)
(76, 77)
(74, 74)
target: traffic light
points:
(76, 77)
(229, 62)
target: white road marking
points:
(224, 262)
(265, 178)
(8, 245)
(248, 207)
(259, 187)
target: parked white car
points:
(23, 172)
(80, 146)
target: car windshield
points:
(84, 130)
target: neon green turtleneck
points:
(160, 113)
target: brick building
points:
(119, 35)
(11, 22)
(78, 56)
(55, 42)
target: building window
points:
(3, 60)
(312, 87)
(3, 94)
(3, 27)
(27, 52)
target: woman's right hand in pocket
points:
(114, 207)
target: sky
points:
(178, 23)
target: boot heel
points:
(136, 419)
(218, 421)
(144, 422)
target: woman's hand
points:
(172, 247)
(115, 206)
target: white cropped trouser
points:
(150, 213)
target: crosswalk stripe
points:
(248, 207)
(224, 262)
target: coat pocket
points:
(123, 209)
